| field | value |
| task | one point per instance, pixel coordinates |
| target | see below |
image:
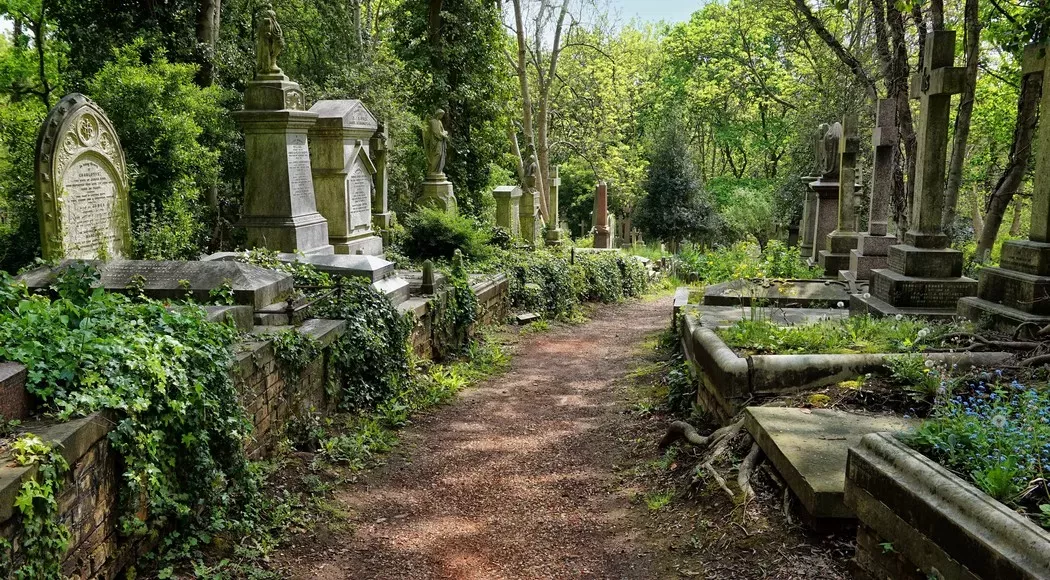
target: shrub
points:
(434, 234)
(856, 334)
(541, 282)
(20, 235)
(743, 260)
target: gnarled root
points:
(717, 445)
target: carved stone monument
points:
(837, 245)
(873, 247)
(437, 189)
(343, 174)
(508, 208)
(826, 192)
(280, 210)
(555, 236)
(1018, 290)
(924, 277)
(382, 217)
(81, 184)
(602, 232)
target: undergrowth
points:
(856, 334)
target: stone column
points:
(1019, 289)
(602, 235)
(835, 257)
(508, 213)
(554, 233)
(873, 246)
(925, 276)
(381, 215)
(280, 210)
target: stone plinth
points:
(872, 253)
(280, 209)
(344, 175)
(555, 235)
(826, 216)
(808, 447)
(438, 194)
(836, 255)
(529, 216)
(807, 227)
(508, 209)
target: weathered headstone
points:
(826, 192)
(508, 208)
(382, 217)
(280, 209)
(81, 184)
(427, 285)
(437, 189)
(873, 247)
(837, 245)
(1019, 289)
(924, 277)
(343, 174)
(554, 232)
(807, 226)
(602, 233)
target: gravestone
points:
(554, 232)
(529, 215)
(280, 209)
(437, 189)
(602, 232)
(173, 280)
(873, 246)
(344, 175)
(837, 245)
(807, 226)
(924, 277)
(1018, 290)
(826, 192)
(508, 208)
(382, 217)
(81, 184)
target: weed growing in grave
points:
(742, 260)
(856, 334)
(997, 435)
(42, 537)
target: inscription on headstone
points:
(300, 179)
(82, 187)
(360, 192)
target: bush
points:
(743, 260)
(20, 235)
(434, 234)
(856, 334)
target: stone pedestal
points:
(280, 210)
(836, 254)
(344, 175)
(825, 215)
(438, 194)
(508, 209)
(529, 216)
(872, 253)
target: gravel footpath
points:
(515, 479)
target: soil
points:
(551, 471)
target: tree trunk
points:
(523, 82)
(836, 47)
(38, 39)
(962, 117)
(208, 15)
(978, 221)
(1015, 222)
(899, 82)
(434, 21)
(1013, 175)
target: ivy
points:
(43, 538)
(295, 351)
(456, 313)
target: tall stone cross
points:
(1037, 61)
(885, 138)
(849, 148)
(934, 86)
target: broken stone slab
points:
(240, 316)
(782, 293)
(808, 448)
(938, 523)
(526, 318)
(173, 280)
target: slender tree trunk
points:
(38, 34)
(208, 15)
(899, 83)
(434, 21)
(978, 221)
(523, 82)
(1013, 175)
(962, 116)
(840, 52)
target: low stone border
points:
(934, 523)
(729, 381)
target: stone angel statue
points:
(269, 42)
(435, 144)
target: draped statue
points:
(269, 42)
(532, 166)
(435, 143)
(831, 151)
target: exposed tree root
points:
(747, 467)
(979, 342)
(717, 446)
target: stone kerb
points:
(935, 521)
(81, 184)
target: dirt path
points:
(513, 480)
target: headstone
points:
(873, 247)
(837, 245)
(807, 226)
(382, 217)
(81, 184)
(554, 232)
(343, 174)
(826, 192)
(437, 189)
(602, 233)
(280, 209)
(251, 285)
(531, 222)
(924, 277)
(1018, 290)
(508, 209)
(427, 285)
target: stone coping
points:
(732, 379)
(941, 523)
(781, 293)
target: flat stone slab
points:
(163, 280)
(808, 447)
(374, 268)
(715, 316)
(784, 293)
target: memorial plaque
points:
(81, 184)
(300, 178)
(360, 192)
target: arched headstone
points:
(81, 184)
